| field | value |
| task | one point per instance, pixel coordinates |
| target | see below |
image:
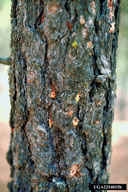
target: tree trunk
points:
(62, 88)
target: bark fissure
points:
(24, 130)
(67, 7)
(117, 11)
(75, 16)
(38, 20)
(27, 113)
(14, 10)
(102, 3)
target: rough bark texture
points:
(62, 88)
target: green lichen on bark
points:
(62, 88)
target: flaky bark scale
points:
(62, 88)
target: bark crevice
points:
(14, 10)
(102, 3)
(67, 7)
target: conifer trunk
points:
(62, 89)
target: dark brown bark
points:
(62, 88)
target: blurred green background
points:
(121, 107)
(5, 30)
(5, 27)
(119, 169)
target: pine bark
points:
(62, 89)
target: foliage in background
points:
(5, 28)
(122, 66)
(122, 59)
